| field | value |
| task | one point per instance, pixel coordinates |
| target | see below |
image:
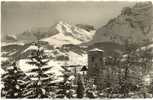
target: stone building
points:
(96, 67)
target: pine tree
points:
(146, 56)
(80, 88)
(14, 82)
(138, 61)
(130, 49)
(65, 88)
(91, 89)
(41, 87)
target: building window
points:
(92, 59)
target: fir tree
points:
(14, 82)
(65, 88)
(146, 56)
(130, 49)
(41, 87)
(91, 89)
(80, 88)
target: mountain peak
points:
(62, 22)
(69, 34)
(63, 27)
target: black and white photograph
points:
(76, 50)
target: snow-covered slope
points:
(11, 43)
(73, 57)
(68, 34)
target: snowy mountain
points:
(60, 32)
(69, 34)
(36, 33)
(66, 38)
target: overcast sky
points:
(20, 16)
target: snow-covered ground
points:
(32, 47)
(11, 43)
(3, 59)
(76, 59)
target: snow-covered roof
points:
(32, 47)
(96, 49)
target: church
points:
(101, 74)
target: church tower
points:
(96, 66)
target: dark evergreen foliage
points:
(14, 81)
(65, 88)
(42, 86)
(80, 88)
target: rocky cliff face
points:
(134, 24)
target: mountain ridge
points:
(69, 34)
(133, 24)
(72, 32)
